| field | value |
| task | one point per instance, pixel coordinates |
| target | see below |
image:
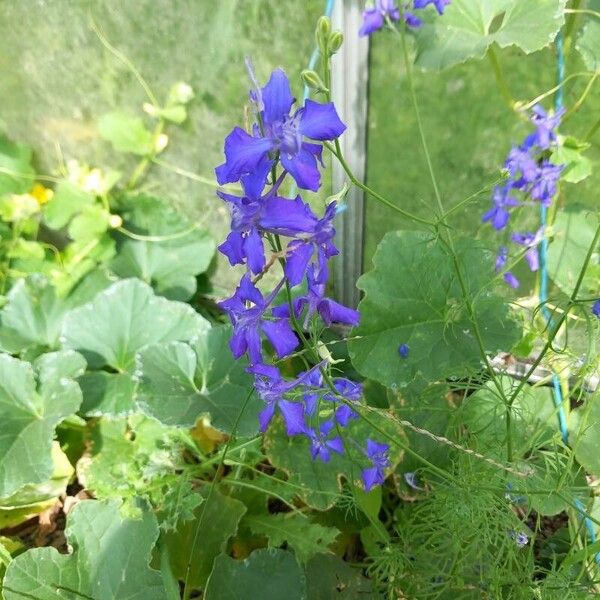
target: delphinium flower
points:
(378, 12)
(533, 180)
(270, 231)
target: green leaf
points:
(329, 577)
(305, 538)
(577, 167)
(574, 231)
(413, 296)
(16, 172)
(181, 382)
(29, 413)
(588, 44)
(319, 483)
(32, 316)
(126, 133)
(469, 27)
(128, 455)
(584, 425)
(109, 560)
(89, 224)
(265, 574)
(177, 253)
(68, 200)
(218, 519)
(109, 330)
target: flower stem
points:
(500, 79)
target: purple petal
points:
(281, 336)
(372, 477)
(247, 291)
(255, 251)
(293, 416)
(533, 259)
(277, 97)
(303, 168)
(320, 121)
(333, 312)
(344, 413)
(287, 217)
(255, 181)
(254, 345)
(511, 280)
(243, 153)
(232, 248)
(298, 255)
(596, 308)
(372, 21)
(265, 416)
(336, 445)
(238, 344)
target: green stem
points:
(500, 79)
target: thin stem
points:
(500, 79)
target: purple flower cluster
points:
(376, 15)
(533, 179)
(312, 404)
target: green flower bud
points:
(313, 81)
(336, 39)
(322, 34)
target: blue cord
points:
(543, 252)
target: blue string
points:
(543, 252)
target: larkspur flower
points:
(522, 167)
(375, 15)
(501, 258)
(282, 133)
(247, 310)
(543, 187)
(440, 5)
(596, 308)
(521, 539)
(377, 453)
(531, 242)
(545, 125)
(511, 280)
(499, 214)
(321, 444)
(271, 388)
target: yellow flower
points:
(41, 194)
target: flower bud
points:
(181, 93)
(313, 81)
(322, 34)
(160, 143)
(336, 39)
(115, 221)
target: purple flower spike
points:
(281, 133)
(378, 455)
(374, 17)
(596, 308)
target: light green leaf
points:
(469, 27)
(177, 252)
(319, 483)
(219, 516)
(574, 231)
(109, 560)
(413, 296)
(126, 133)
(89, 224)
(16, 172)
(180, 383)
(265, 574)
(586, 430)
(588, 44)
(68, 200)
(108, 331)
(29, 413)
(305, 538)
(577, 167)
(32, 316)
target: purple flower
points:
(246, 309)
(522, 167)
(545, 125)
(329, 310)
(374, 16)
(271, 388)
(596, 308)
(320, 240)
(403, 350)
(501, 258)
(511, 280)
(440, 5)
(281, 132)
(544, 186)
(521, 539)
(378, 455)
(349, 390)
(531, 242)
(321, 445)
(499, 214)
